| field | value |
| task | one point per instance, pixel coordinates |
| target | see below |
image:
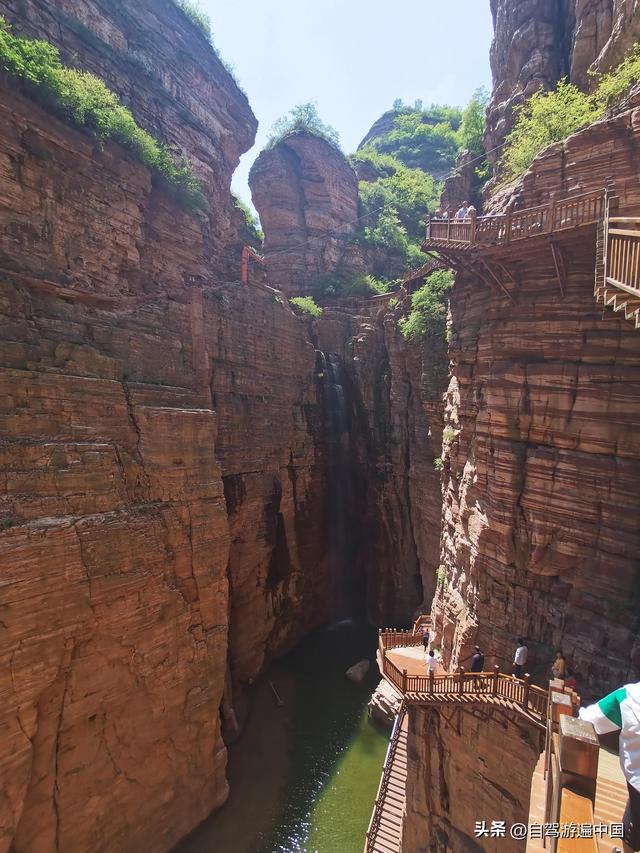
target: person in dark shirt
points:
(477, 665)
(477, 660)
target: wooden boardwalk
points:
(405, 667)
(385, 831)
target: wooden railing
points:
(248, 254)
(571, 773)
(422, 621)
(374, 823)
(622, 256)
(487, 686)
(390, 638)
(556, 215)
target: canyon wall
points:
(395, 436)
(162, 524)
(540, 533)
(536, 44)
(456, 776)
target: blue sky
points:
(353, 57)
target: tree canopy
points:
(303, 118)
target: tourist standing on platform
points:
(432, 663)
(620, 711)
(425, 638)
(520, 658)
(477, 660)
(559, 666)
(463, 212)
(571, 681)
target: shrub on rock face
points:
(196, 14)
(83, 99)
(549, 117)
(307, 305)
(428, 315)
(303, 118)
(545, 118)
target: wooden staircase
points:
(385, 828)
(617, 284)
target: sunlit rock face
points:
(307, 196)
(540, 538)
(456, 776)
(163, 68)
(537, 42)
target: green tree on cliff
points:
(303, 118)
(470, 134)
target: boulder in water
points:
(385, 703)
(358, 671)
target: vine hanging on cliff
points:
(83, 99)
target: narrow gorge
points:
(201, 474)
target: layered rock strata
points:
(164, 69)
(536, 44)
(307, 196)
(160, 539)
(540, 536)
(456, 776)
(395, 438)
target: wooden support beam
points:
(496, 279)
(561, 270)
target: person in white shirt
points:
(463, 212)
(432, 663)
(520, 658)
(620, 712)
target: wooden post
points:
(430, 681)
(461, 680)
(579, 750)
(244, 273)
(507, 226)
(404, 680)
(496, 673)
(428, 228)
(552, 213)
(473, 216)
(527, 686)
(561, 706)
(448, 224)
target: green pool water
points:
(304, 776)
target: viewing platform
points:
(486, 232)
(576, 784)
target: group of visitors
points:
(617, 712)
(465, 211)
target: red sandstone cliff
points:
(158, 534)
(535, 44)
(307, 196)
(540, 530)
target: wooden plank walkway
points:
(388, 837)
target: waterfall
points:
(337, 420)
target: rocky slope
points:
(535, 44)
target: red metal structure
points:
(249, 254)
